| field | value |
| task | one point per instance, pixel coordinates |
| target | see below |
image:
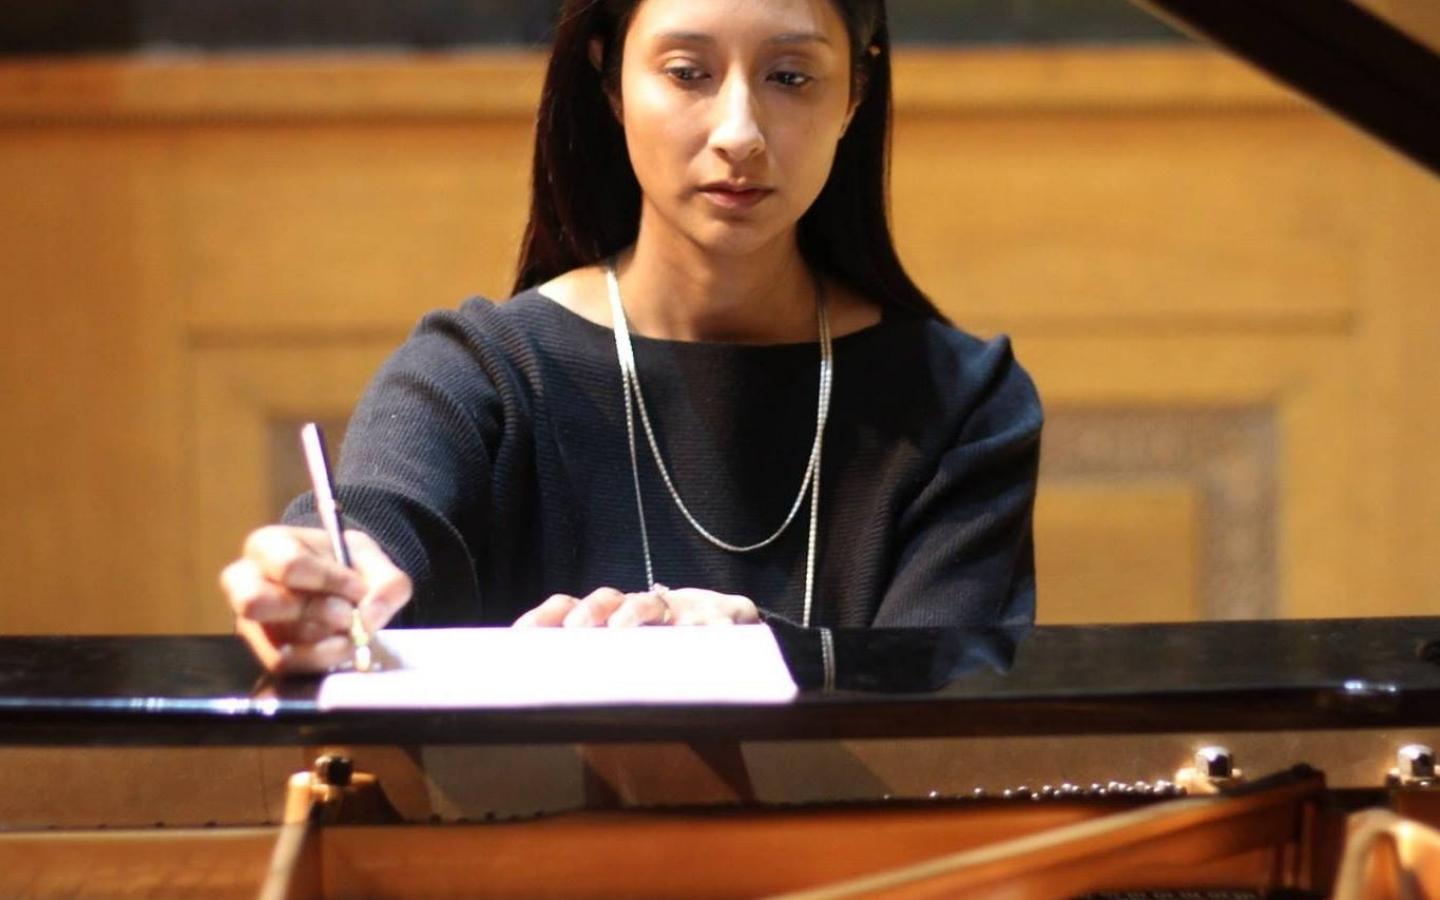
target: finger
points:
(705, 615)
(320, 617)
(331, 614)
(323, 656)
(595, 608)
(307, 631)
(251, 596)
(280, 656)
(647, 608)
(697, 606)
(389, 588)
(288, 556)
(742, 610)
(265, 650)
(550, 614)
(254, 597)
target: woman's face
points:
(732, 110)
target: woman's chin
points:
(735, 238)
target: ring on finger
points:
(658, 591)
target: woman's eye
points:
(685, 73)
(791, 79)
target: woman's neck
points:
(676, 290)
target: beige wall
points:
(1226, 297)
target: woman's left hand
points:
(611, 608)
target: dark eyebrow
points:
(685, 37)
(799, 37)
(697, 37)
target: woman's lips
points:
(735, 198)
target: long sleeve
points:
(418, 463)
(965, 545)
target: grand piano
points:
(1054, 762)
(1282, 758)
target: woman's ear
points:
(857, 97)
(859, 87)
(611, 89)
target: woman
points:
(714, 373)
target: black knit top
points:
(489, 458)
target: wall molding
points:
(1228, 456)
(506, 84)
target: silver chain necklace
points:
(809, 485)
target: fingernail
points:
(579, 617)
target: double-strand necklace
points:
(809, 484)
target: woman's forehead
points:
(772, 21)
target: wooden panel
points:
(1225, 457)
(365, 225)
(1030, 80)
(1396, 486)
(353, 85)
(144, 787)
(241, 396)
(1308, 382)
(1124, 553)
(571, 856)
(1112, 218)
(91, 386)
(209, 863)
(505, 84)
(1396, 480)
(1260, 841)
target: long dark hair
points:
(585, 201)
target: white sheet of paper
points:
(512, 667)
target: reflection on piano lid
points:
(1361, 67)
(1053, 680)
(894, 660)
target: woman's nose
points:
(737, 134)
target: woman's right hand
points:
(292, 600)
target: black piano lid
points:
(1337, 53)
(1232, 676)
